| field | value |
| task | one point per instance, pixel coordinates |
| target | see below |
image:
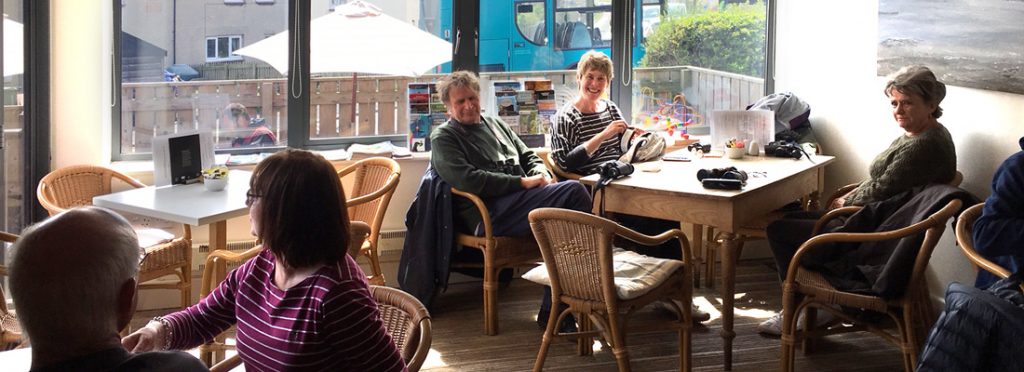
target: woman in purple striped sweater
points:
(302, 304)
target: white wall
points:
(826, 54)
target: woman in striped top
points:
(587, 130)
(302, 304)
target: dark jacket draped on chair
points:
(882, 268)
(426, 254)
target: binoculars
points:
(730, 173)
(614, 169)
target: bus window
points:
(530, 21)
(583, 24)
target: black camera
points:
(730, 173)
(614, 169)
(783, 150)
(706, 148)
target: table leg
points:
(697, 247)
(731, 246)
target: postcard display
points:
(527, 108)
(426, 112)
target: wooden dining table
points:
(670, 190)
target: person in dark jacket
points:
(482, 155)
(922, 155)
(999, 232)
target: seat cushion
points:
(635, 274)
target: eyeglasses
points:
(143, 254)
(250, 198)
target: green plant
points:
(732, 40)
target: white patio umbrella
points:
(14, 43)
(357, 37)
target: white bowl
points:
(215, 184)
(735, 152)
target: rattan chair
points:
(755, 230)
(499, 252)
(76, 185)
(405, 319)
(213, 351)
(560, 174)
(374, 181)
(808, 290)
(577, 250)
(965, 239)
(10, 329)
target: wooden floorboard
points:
(460, 345)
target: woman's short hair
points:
(303, 219)
(594, 60)
(920, 81)
(457, 79)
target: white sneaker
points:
(773, 326)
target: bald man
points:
(74, 279)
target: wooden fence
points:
(380, 102)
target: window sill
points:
(143, 169)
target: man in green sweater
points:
(482, 155)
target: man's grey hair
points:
(457, 79)
(66, 274)
(919, 81)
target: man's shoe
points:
(773, 326)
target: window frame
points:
(299, 18)
(231, 52)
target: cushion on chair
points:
(635, 274)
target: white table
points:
(187, 204)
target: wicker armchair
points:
(808, 290)
(75, 186)
(374, 181)
(405, 318)
(560, 174)
(965, 239)
(577, 250)
(499, 252)
(756, 229)
(10, 329)
(213, 351)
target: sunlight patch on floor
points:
(755, 313)
(704, 305)
(434, 360)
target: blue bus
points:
(531, 35)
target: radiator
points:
(199, 255)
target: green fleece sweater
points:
(929, 157)
(470, 158)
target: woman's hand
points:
(613, 129)
(148, 338)
(840, 201)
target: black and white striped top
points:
(572, 128)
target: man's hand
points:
(538, 180)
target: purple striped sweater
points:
(328, 321)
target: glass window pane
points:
(222, 47)
(353, 96)
(169, 85)
(530, 21)
(211, 48)
(694, 60)
(14, 195)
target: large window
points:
(695, 58)
(676, 62)
(222, 48)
